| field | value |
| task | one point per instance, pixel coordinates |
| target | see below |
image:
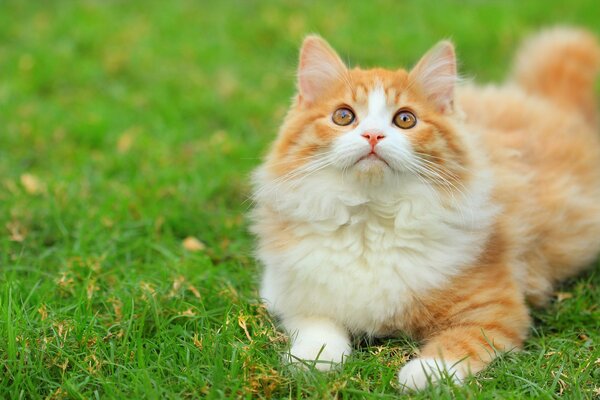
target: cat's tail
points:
(561, 64)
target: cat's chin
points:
(371, 169)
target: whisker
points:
(424, 156)
(302, 172)
(447, 182)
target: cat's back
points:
(531, 130)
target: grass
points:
(127, 127)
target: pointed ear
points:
(319, 67)
(435, 73)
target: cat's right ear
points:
(319, 67)
(436, 74)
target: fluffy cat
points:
(397, 201)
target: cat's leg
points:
(320, 339)
(476, 324)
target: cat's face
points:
(371, 125)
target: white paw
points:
(324, 356)
(420, 372)
(317, 341)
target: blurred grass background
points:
(127, 127)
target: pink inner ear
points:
(319, 68)
(436, 74)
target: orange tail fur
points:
(561, 64)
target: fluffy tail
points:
(561, 64)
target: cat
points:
(397, 201)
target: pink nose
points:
(373, 137)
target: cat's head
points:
(371, 125)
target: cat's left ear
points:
(436, 75)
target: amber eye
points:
(405, 120)
(343, 116)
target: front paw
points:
(317, 341)
(324, 356)
(419, 373)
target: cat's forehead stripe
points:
(360, 93)
(377, 99)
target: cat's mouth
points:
(372, 157)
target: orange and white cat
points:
(397, 201)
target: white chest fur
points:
(360, 258)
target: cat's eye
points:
(343, 116)
(405, 120)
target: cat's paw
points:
(317, 341)
(324, 356)
(420, 372)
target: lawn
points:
(127, 133)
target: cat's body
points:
(441, 229)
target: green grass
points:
(126, 127)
